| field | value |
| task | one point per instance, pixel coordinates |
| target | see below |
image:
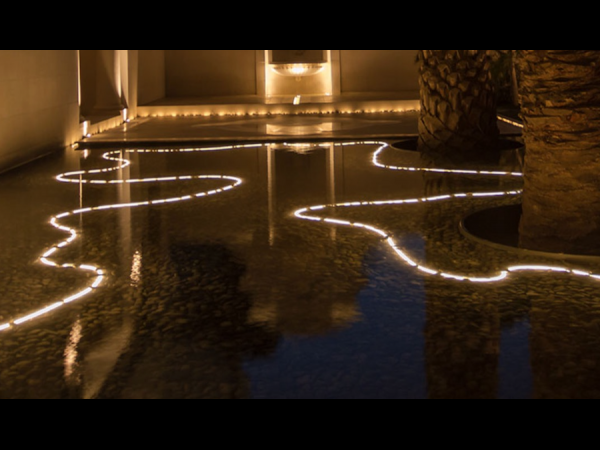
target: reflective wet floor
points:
(273, 271)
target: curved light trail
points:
(309, 215)
(82, 177)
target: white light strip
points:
(78, 296)
(47, 262)
(79, 178)
(385, 146)
(401, 253)
(37, 314)
(450, 276)
(581, 273)
(114, 156)
(50, 252)
(502, 276)
(427, 271)
(511, 122)
(338, 222)
(489, 194)
(539, 269)
(98, 282)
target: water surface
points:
(230, 295)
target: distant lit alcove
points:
(185, 78)
(299, 73)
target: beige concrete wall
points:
(205, 73)
(152, 76)
(39, 105)
(104, 82)
(379, 71)
(131, 88)
(88, 68)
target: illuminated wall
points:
(39, 108)
(279, 85)
(152, 79)
(221, 73)
(379, 71)
(108, 82)
(40, 90)
(207, 73)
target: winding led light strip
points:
(435, 170)
(78, 178)
(514, 123)
(306, 214)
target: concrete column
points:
(261, 77)
(151, 79)
(336, 72)
(108, 81)
(131, 88)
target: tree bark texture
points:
(560, 98)
(458, 102)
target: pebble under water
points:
(229, 292)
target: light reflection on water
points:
(232, 296)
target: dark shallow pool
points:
(275, 271)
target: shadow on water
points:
(232, 297)
(190, 342)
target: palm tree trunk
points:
(458, 102)
(560, 97)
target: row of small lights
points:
(282, 113)
(78, 178)
(306, 214)
(86, 125)
(296, 102)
